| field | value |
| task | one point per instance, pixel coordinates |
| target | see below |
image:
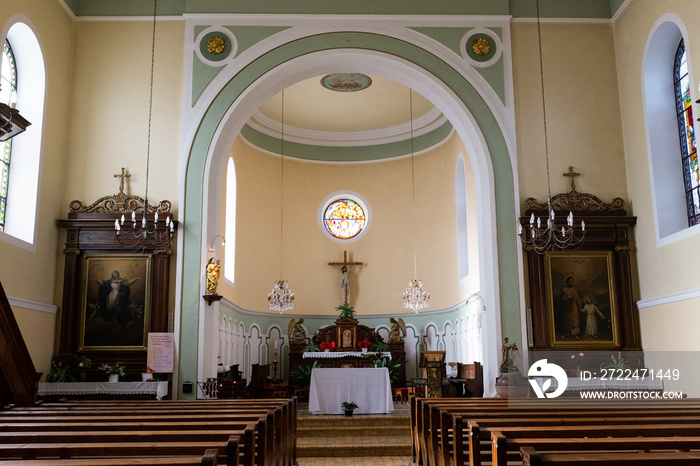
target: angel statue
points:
(397, 330)
(296, 332)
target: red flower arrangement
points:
(327, 345)
(364, 344)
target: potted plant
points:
(349, 407)
(114, 370)
(310, 347)
(380, 346)
(58, 373)
(81, 364)
(364, 344)
(346, 310)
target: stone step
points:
(355, 461)
(354, 431)
(356, 420)
(339, 447)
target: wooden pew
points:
(280, 438)
(533, 458)
(210, 457)
(507, 447)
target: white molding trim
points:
(33, 305)
(619, 10)
(669, 298)
(68, 10)
(424, 124)
(240, 310)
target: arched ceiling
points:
(315, 115)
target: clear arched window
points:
(686, 127)
(230, 251)
(8, 96)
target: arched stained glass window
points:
(686, 127)
(8, 96)
(344, 218)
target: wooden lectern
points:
(434, 370)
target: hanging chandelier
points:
(542, 234)
(281, 298)
(147, 232)
(415, 297)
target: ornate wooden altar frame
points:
(608, 229)
(90, 231)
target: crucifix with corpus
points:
(345, 268)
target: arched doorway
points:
(412, 66)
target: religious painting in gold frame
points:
(116, 302)
(581, 300)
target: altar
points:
(370, 388)
(157, 390)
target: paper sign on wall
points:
(161, 352)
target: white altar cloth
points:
(340, 354)
(159, 389)
(369, 387)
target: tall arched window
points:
(686, 128)
(230, 251)
(461, 217)
(22, 184)
(8, 96)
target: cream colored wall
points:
(31, 274)
(386, 249)
(672, 268)
(583, 115)
(109, 110)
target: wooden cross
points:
(345, 282)
(122, 175)
(572, 174)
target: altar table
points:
(157, 389)
(370, 388)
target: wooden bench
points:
(210, 457)
(533, 458)
(274, 425)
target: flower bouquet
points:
(364, 344)
(327, 345)
(114, 370)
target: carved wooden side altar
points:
(608, 237)
(90, 236)
(346, 333)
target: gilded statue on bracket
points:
(213, 274)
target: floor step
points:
(357, 420)
(345, 448)
(355, 431)
(355, 461)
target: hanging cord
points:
(282, 190)
(413, 188)
(544, 107)
(150, 106)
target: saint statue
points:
(213, 273)
(505, 355)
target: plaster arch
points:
(405, 63)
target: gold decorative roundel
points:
(481, 46)
(216, 45)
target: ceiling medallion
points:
(346, 82)
(215, 45)
(481, 46)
